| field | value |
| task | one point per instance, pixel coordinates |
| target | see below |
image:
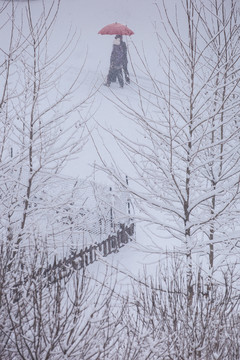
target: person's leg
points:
(120, 77)
(126, 73)
(111, 74)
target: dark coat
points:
(124, 48)
(117, 57)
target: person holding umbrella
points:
(125, 59)
(118, 59)
(116, 63)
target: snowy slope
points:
(85, 19)
(88, 18)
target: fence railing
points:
(89, 255)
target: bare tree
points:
(66, 317)
(222, 170)
(186, 156)
(41, 125)
(162, 325)
(79, 316)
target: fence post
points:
(105, 253)
(54, 262)
(100, 247)
(91, 254)
(124, 236)
(109, 245)
(86, 257)
(130, 229)
(95, 252)
(115, 243)
(81, 255)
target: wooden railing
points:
(89, 255)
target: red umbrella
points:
(115, 29)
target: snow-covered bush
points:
(70, 318)
(87, 317)
(163, 325)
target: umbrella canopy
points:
(115, 29)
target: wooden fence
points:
(79, 260)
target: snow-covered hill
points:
(90, 53)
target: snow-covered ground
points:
(91, 52)
(88, 18)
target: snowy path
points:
(92, 51)
(106, 116)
